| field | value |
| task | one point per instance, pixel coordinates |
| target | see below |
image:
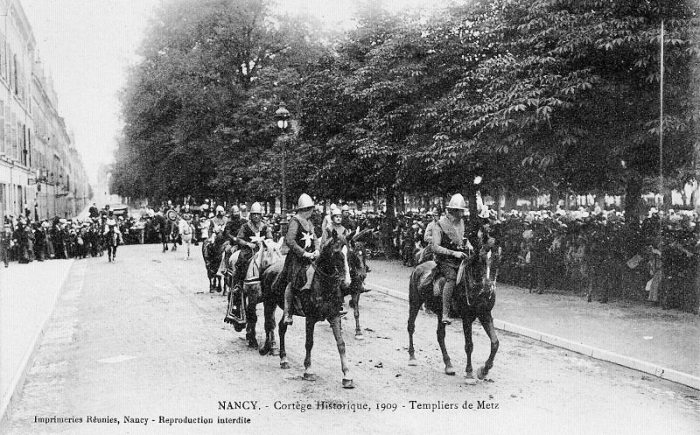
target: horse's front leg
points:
(356, 311)
(283, 352)
(338, 333)
(251, 320)
(468, 344)
(269, 313)
(449, 370)
(308, 373)
(487, 322)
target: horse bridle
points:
(487, 285)
(335, 275)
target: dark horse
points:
(319, 303)
(357, 256)
(212, 251)
(112, 241)
(474, 297)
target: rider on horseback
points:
(249, 235)
(449, 244)
(303, 248)
(335, 224)
(218, 222)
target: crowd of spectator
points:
(594, 253)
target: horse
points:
(474, 297)
(357, 256)
(243, 301)
(212, 250)
(318, 303)
(112, 241)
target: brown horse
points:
(319, 303)
(474, 297)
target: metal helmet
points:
(219, 208)
(305, 201)
(336, 212)
(346, 208)
(256, 208)
(457, 202)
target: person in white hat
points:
(449, 245)
(303, 249)
(327, 219)
(186, 231)
(218, 222)
(336, 224)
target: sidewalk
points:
(28, 294)
(659, 342)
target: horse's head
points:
(269, 253)
(334, 257)
(358, 268)
(478, 273)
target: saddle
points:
(438, 280)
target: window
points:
(3, 57)
(15, 74)
(2, 128)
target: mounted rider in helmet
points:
(303, 249)
(218, 222)
(335, 224)
(249, 235)
(233, 225)
(449, 245)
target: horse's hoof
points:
(480, 373)
(449, 370)
(264, 350)
(274, 351)
(359, 337)
(310, 377)
(348, 383)
(470, 380)
(412, 362)
(253, 344)
(284, 365)
(469, 375)
(238, 327)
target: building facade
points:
(41, 172)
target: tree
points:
(572, 93)
(198, 108)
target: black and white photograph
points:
(349, 217)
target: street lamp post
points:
(282, 117)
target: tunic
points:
(300, 239)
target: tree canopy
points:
(529, 94)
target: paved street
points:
(143, 338)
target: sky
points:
(86, 46)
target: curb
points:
(593, 352)
(17, 382)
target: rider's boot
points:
(309, 278)
(287, 317)
(447, 300)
